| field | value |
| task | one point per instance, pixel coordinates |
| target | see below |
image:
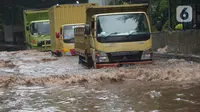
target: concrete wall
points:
(8, 33)
(13, 34)
(185, 42)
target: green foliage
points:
(174, 5)
(159, 12)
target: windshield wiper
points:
(135, 33)
(130, 34)
(111, 34)
(68, 40)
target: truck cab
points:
(116, 36)
(39, 34)
(66, 39)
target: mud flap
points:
(89, 63)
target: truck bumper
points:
(71, 52)
(45, 48)
(103, 65)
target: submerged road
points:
(32, 81)
(34, 64)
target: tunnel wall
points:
(185, 42)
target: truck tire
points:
(90, 62)
(80, 61)
(59, 54)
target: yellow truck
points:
(63, 19)
(114, 35)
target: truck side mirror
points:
(87, 29)
(57, 35)
(27, 28)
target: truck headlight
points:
(147, 55)
(101, 57)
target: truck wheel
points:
(80, 61)
(58, 54)
(90, 62)
(52, 53)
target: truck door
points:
(92, 32)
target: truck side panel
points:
(52, 28)
(34, 16)
(26, 31)
(82, 43)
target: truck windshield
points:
(68, 33)
(40, 28)
(122, 27)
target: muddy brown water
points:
(32, 81)
(117, 97)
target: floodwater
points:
(116, 97)
(32, 81)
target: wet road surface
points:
(32, 81)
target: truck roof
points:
(39, 21)
(66, 5)
(117, 6)
(118, 13)
(73, 24)
(35, 10)
(91, 11)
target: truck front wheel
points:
(90, 62)
(80, 61)
(58, 54)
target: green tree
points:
(159, 12)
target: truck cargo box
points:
(65, 14)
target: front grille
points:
(125, 56)
(48, 42)
(41, 43)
